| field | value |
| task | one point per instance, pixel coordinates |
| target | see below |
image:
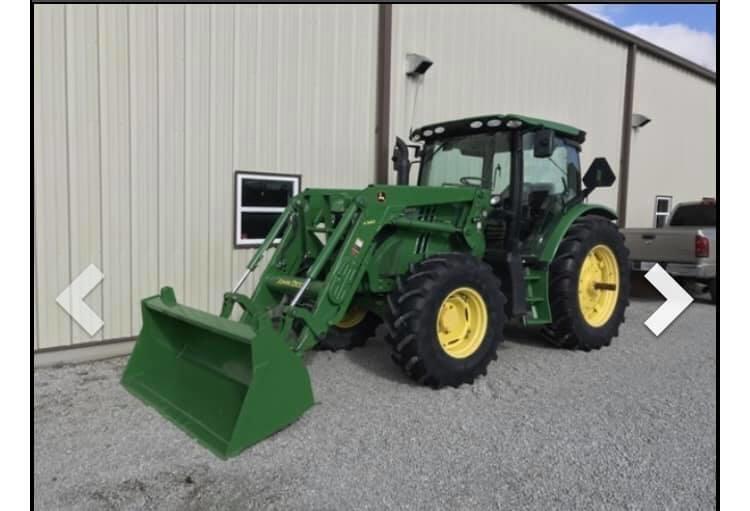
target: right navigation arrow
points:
(677, 299)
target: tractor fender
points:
(551, 241)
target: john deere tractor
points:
(496, 229)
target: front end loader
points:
(496, 229)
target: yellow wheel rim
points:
(353, 317)
(598, 285)
(462, 322)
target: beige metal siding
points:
(510, 59)
(304, 104)
(675, 154)
(144, 161)
(142, 115)
(51, 200)
(115, 170)
(84, 138)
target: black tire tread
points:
(407, 304)
(568, 329)
(346, 339)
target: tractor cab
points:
(531, 166)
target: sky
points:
(688, 30)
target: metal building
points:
(144, 114)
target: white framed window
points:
(259, 200)
(662, 207)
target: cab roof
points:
(491, 123)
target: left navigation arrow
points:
(71, 299)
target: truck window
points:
(694, 215)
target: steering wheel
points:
(467, 181)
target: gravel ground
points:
(628, 427)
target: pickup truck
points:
(685, 247)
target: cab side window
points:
(557, 174)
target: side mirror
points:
(544, 143)
(599, 174)
(401, 162)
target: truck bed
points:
(667, 244)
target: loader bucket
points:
(225, 383)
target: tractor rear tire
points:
(584, 315)
(350, 333)
(446, 320)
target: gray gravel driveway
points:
(628, 427)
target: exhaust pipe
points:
(401, 164)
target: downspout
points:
(627, 131)
(383, 93)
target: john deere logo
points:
(381, 196)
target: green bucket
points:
(224, 383)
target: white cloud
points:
(700, 47)
(597, 10)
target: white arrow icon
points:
(677, 299)
(71, 299)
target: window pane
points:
(450, 160)
(574, 170)
(501, 163)
(548, 174)
(662, 205)
(696, 215)
(256, 225)
(266, 193)
(661, 220)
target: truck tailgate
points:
(668, 244)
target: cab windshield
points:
(483, 159)
(477, 159)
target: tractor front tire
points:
(352, 331)
(589, 285)
(446, 320)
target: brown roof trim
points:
(598, 25)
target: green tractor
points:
(496, 230)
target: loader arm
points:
(310, 283)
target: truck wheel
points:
(446, 320)
(589, 285)
(713, 289)
(353, 330)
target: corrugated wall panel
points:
(675, 154)
(510, 59)
(115, 170)
(299, 90)
(84, 151)
(247, 122)
(143, 114)
(163, 104)
(171, 106)
(224, 55)
(144, 157)
(51, 201)
(197, 166)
